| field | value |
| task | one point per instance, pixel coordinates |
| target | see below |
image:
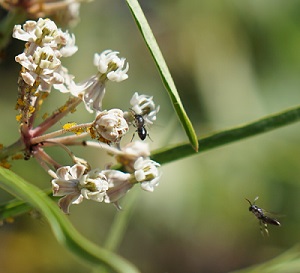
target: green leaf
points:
(163, 70)
(65, 233)
(217, 139)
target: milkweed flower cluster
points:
(42, 72)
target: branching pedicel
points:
(41, 72)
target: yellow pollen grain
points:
(20, 102)
(19, 117)
(69, 125)
(92, 132)
(63, 108)
(31, 109)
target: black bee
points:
(260, 215)
(139, 124)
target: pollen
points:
(31, 109)
(19, 117)
(69, 125)
(92, 132)
(20, 102)
(63, 109)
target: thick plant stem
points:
(13, 149)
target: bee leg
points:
(261, 229)
(149, 137)
(132, 137)
(264, 229)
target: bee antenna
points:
(248, 201)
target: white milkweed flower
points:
(68, 82)
(44, 32)
(110, 126)
(131, 152)
(94, 186)
(146, 172)
(41, 66)
(74, 184)
(46, 44)
(109, 64)
(110, 67)
(92, 92)
(69, 47)
(119, 184)
(145, 106)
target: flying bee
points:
(262, 217)
(139, 124)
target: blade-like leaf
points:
(163, 70)
(65, 233)
(179, 151)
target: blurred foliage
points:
(232, 62)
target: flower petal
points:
(65, 202)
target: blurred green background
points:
(233, 62)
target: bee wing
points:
(269, 218)
(271, 221)
(272, 214)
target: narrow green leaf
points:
(217, 139)
(64, 231)
(163, 70)
(16, 207)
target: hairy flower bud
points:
(110, 126)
